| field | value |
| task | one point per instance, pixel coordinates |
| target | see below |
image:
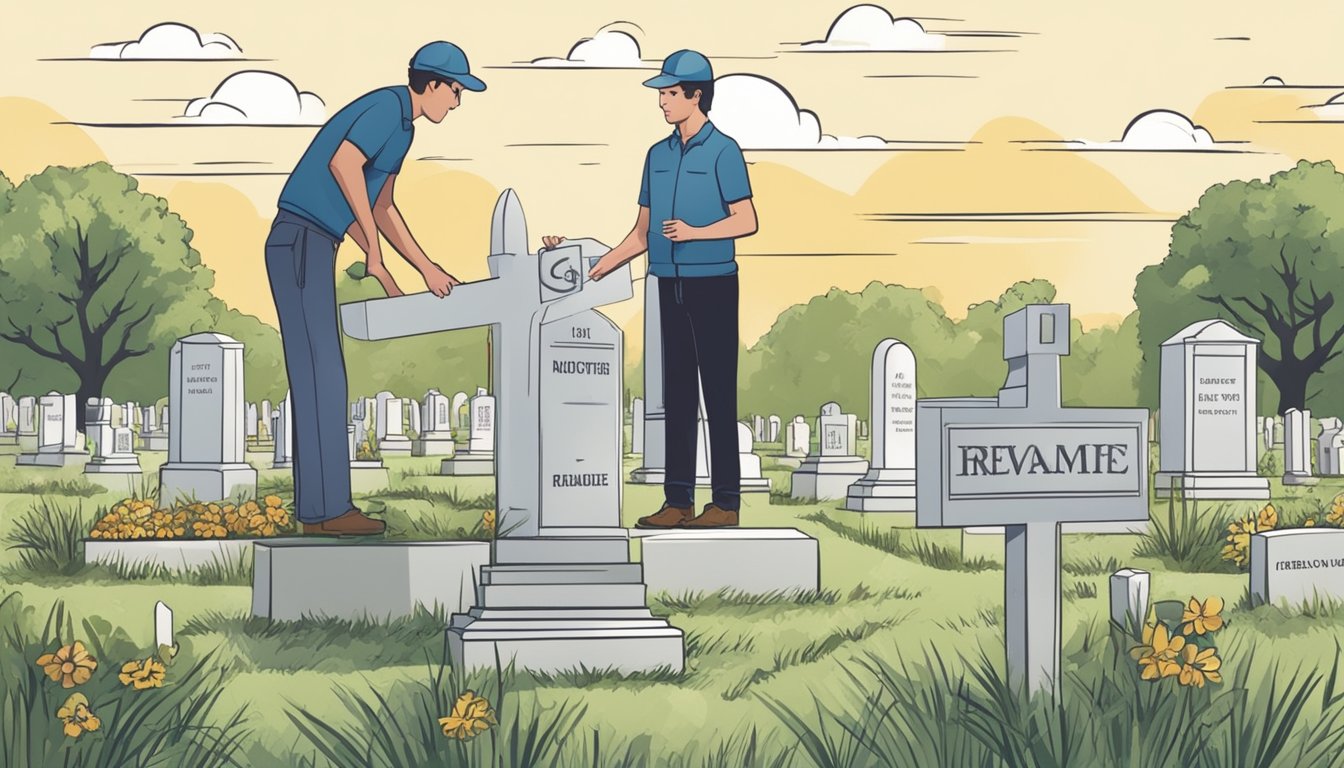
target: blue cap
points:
(682, 67)
(444, 58)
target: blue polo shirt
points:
(379, 123)
(694, 182)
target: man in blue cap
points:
(695, 187)
(343, 185)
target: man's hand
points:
(679, 231)
(604, 266)
(551, 241)
(439, 282)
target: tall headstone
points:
(797, 438)
(772, 430)
(58, 444)
(482, 424)
(9, 416)
(829, 473)
(1208, 399)
(1328, 446)
(391, 426)
(637, 426)
(758, 428)
(205, 423)
(27, 424)
(460, 415)
(889, 485)
(282, 427)
(113, 453)
(436, 421)
(1297, 448)
(251, 425)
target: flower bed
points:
(191, 535)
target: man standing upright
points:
(695, 187)
(342, 186)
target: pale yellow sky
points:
(1063, 71)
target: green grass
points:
(48, 537)
(1188, 539)
(907, 544)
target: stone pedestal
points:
(360, 578)
(883, 490)
(827, 477)
(756, 561)
(205, 483)
(59, 458)
(1211, 485)
(468, 464)
(594, 613)
(434, 444)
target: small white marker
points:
(163, 625)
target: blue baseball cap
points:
(444, 58)
(684, 66)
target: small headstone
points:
(1208, 387)
(391, 428)
(27, 415)
(1129, 600)
(56, 443)
(206, 438)
(113, 452)
(413, 413)
(163, 625)
(461, 416)
(9, 425)
(482, 423)
(749, 464)
(772, 429)
(1278, 431)
(797, 438)
(1297, 565)
(758, 427)
(1329, 444)
(252, 421)
(437, 421)
(829, 474)
(1297, 448)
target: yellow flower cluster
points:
(138, 519)
(471, 717)
(71, 665)
(1239, 533)
(1179, 654)
(144, 674)
(365, 452)
(488, 520)
(1335, 516)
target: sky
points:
(955, 147)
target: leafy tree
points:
(94, 273)
(6, 187)
(1102, 367)
(1267, 257)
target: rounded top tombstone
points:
(830, 409)
(1209, 331)
(744, 440)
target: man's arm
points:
(740, 222)
(347, 166)
(393, 227)
(634, 244)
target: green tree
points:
(1102, 368)
(6, 186)
(94, 273)
(1265, 256)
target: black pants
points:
(699, 329)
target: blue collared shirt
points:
(379, 123)
(695, 183)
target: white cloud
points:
(873, 28)
(170, 40)
(1272, 80)
(1332, 109)
(257, 97)
(609, 48)
(760, 114)
(1158, 129)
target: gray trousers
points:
(301, 266)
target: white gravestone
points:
(1297, 566)
(251, 425)
(413, 416)
(205, 425)
(392, 426)
(637, 426)
(1023, 462)
(479, 456)
(560, 591)
(1297, 448)
(112, 449)
(772, 430)
(889, 485)
(797, 438)
(1278, 431)
(1208, 402)
(749, 464)
(58, 444)
(282, 428)
(1129, 600)
(460, 415)
(154, 433)
(758, 428)
(1328, 446)
(829, 473)
(9, 416)
(436, 438)
(27, 423)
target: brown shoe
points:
(714, 516)
(667, 517)
(352, 523)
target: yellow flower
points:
(77, 716)
(1336, 515)
(1157, 656)
(471, 716)
(142, 674)
(209, 530)
(1202, 618)
(1239, 540)
(1268, 518)
(488, 520)
(1310, 523)
(70, 665)
(1200, 665)
(273, 501)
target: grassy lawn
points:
(895, 662)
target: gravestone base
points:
(26, 443)
(114, 472)
(396, 444)
(564, 600)
(827, 477)
(331, 577)
(182, 554)
(1195, 485)
(792, 462)
(206, 482)
(433, 446)
(52, 459)
(648, 476)
(754, 561)
(469, 464)
(1295, 479)
(156, 441)
(883, 490)
(282, 465)
(368, 477)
